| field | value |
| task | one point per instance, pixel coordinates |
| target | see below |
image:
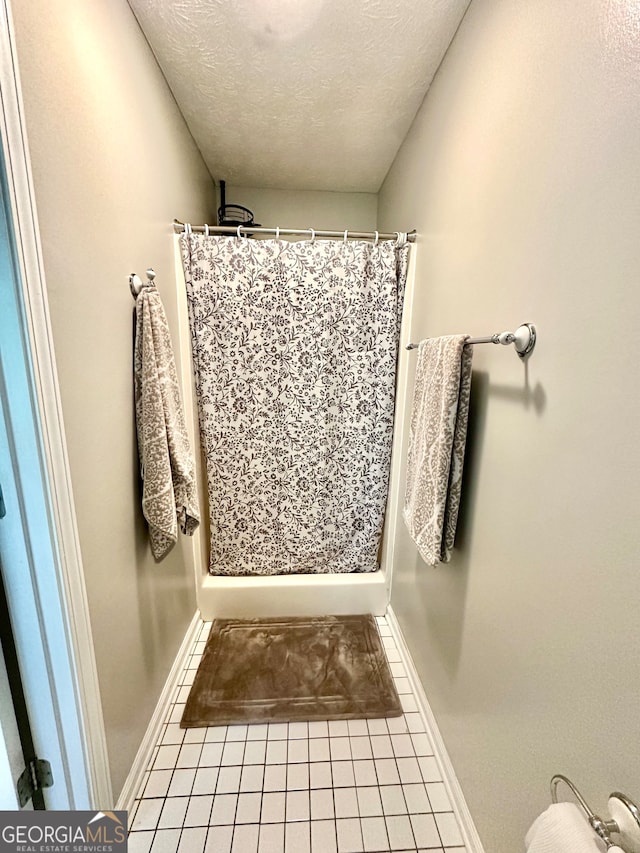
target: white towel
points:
(562, 828)
(169, 492)
(437, 436)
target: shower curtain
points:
(294, 349)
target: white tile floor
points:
(345, 786)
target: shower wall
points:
(522, 176)
(113, 164)
(317, 209)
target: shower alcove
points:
(272, 595)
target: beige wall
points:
(113, 164)
(522, 176)
(307, 208)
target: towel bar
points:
(625, 821)
(523, 340)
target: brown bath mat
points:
(287, 670)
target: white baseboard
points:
(135, 778)
(467, 827)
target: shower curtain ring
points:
(238, 231)
(277, 232)
(345, 236)
(206, 229)
(375, 242)
(313, 235)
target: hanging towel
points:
(437, 435)
(169, 494)
(563, 828)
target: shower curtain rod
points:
(179, 228)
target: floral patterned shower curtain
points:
(294, 349)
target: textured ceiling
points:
(299, 94)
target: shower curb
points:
(466, 825)
(135, 778)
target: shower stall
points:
(312, 593)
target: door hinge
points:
(35, 776)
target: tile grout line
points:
(406, 728)
(470, 838)
(404, 799)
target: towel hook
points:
(136, 284)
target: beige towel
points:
(436, 445)
(169, 493)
